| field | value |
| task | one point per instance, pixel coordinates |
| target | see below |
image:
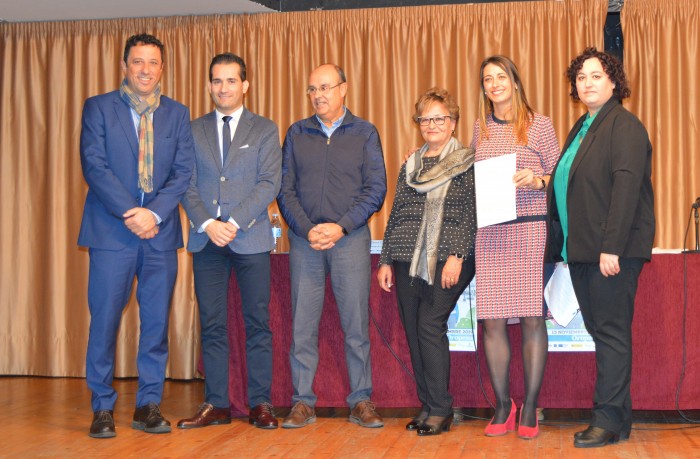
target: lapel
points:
(245, 124)
(123, 112)
(588, 140)
(211, 133)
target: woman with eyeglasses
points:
(509, 256)
(429, 244)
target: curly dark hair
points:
(612, 67)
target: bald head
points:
(327, 89)
(325, 68)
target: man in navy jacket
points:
(333, 180)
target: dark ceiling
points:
(306, 5)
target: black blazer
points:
(610, 200)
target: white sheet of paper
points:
(495, 190)
(560, 296)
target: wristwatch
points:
(544, 184)
(459, 256)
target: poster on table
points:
(462, 329)
(462, 325)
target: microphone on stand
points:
(696, 204)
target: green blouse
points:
(561, 180)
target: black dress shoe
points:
(102, 425)
(594, 437)
(624, 434)
(426, 429)
(415, 423)
(149, 419)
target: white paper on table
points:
(495, 190)
(559, 295)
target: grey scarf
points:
(454, 160)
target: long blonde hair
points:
(523, 114)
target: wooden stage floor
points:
(51, 417)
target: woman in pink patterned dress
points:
(509, 256)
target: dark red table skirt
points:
(569, 378)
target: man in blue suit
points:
(237, 173)
(137, 155)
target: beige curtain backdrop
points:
(390, 57)
(662, 46)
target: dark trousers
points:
(212, 271)
(424, 310)
(111, 277)
(607, 307)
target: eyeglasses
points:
(323, 90)
(438, 120)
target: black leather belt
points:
(526, 218)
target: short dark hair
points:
(142, 39)
(341, 73)
(228, 58)
(612, 67)
(438, 95)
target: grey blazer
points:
(243, 187)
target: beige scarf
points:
(454, 160)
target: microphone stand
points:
(697, 237)
(697, 241)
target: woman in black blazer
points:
(601, 222)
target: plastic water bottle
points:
(276, 232)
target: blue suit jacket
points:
(109, 157)
(243, 187)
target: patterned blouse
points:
(458, 226)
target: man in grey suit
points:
(237, 174)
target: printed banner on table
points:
(462, 328)
(572, 338)
(461, 325)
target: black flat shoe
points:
(426, 429)
(595, 437)
(415, 423)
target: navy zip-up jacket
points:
(338, 179)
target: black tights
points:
(497, 349)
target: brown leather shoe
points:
(301, 415)
(102, 425)
(364, 414)
(263, 417)
(206, 416)
(149, 419)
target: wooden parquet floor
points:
(50, 417)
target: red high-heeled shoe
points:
(496, 430)
(525, 432)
